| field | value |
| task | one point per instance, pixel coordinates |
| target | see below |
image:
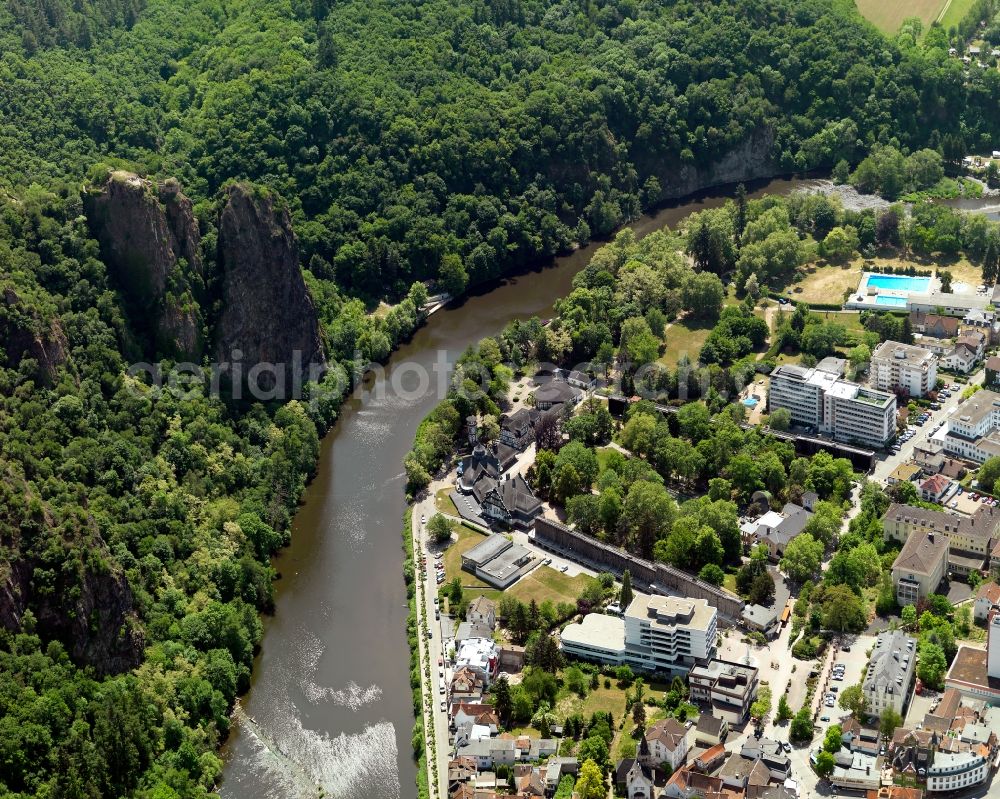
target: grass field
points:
(467, 539)
(826, 284)
(684, 340)
(956, 10)
(443, 503)
(888, 15)
(547, 583)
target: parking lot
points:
(853, 664)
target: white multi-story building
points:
(954, 772)
(730, 688)
(902, 367)
(819, 398)
(973, 427)
(889, 678)
(655, 634)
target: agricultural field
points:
(888, 15)
(952, 12)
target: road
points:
(886, 465)
(432, 650)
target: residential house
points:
(859, 738)
(689, 783)
(904, 473)
(635, 778)
(482, 611)
(468, 629)
(974, 339)
(776, 530)
(960, 358)
(555, 769)
(478, 714)
(668, 742)
(710, 730)
(935, 488)
(910, 751)
(987, 599)
(993, 372)
(770, 753)
(466, 686)
(888, 681)
(757, 618)
(933, 325)
(920, 566)
(581, 380)
(739, 772)
(481, 464)
(478, 655)
(708, 760)
(460, 771)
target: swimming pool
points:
(899, 283)
(885, 299)
(750, 402)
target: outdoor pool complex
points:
(916, 285)
(886, 299)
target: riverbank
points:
(328, 680)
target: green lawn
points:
(443, 503)
(684, 340)
(603, 453)
(545, 583)
(467, 539)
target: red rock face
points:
(151, 243)
(24, 335)
(267, 312)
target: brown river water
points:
(329, 709)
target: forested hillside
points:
(447, 139)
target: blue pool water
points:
(750, 402)
(884, 299)
(899, 283)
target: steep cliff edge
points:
(62, 572)
(150, 240)
(25, 334)
(267, 312)
(754, 158)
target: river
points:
(329, 707)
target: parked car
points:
(824, 718)
(786, 746)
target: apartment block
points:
(903, 368)
(820, 399)
(970, 538)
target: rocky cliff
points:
(267, 312)
(150, 240)
(62, 572)
(752, 159)
(25, 334)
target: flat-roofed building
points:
(656, 634)
(823, 401)
(729, 688)
(889, 678)
(940, 302)
(975, 672)
(903, 367)
(664, 633)
(920, 567)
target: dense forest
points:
(453, 140)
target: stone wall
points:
(646, 575)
